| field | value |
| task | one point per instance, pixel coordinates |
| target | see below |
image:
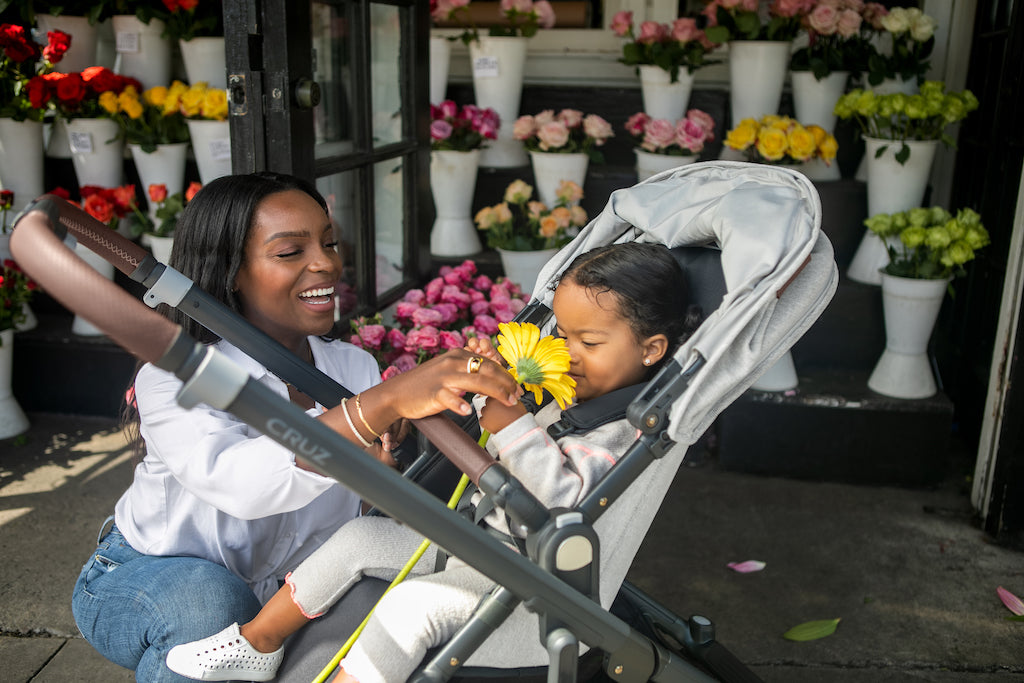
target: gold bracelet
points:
(359, 410)
(351, 425)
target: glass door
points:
(336, 91)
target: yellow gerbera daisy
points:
(536, 363)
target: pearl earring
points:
(647, 361)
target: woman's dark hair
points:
(649, 286)
(210, 238)
(209, 248)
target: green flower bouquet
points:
(929, 243)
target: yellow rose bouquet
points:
(152, 118)
(203, 102)
(781, 140)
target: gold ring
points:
(473, 364)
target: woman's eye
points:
(287, 254)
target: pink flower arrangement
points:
(458, 304)
(522, 17)
(839, 33)
(461, 129)
(685, 137)
(741, 19)
(668, 46)
(567, 132)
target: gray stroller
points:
(750, 241)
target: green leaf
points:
(717, 34)
(812, 630)
(1015, 617)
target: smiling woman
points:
(218, 513)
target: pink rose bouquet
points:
(755, 19)
(459, 303)
(461, 129)
(521, 17)
(519, 224)
(668, 46)
(838, 37)
(567, 132)
(685, 137)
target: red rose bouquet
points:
(23, 91)
(91, 93)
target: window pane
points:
(332, 118)
(389, 215)
(385, 58)
(339, 191)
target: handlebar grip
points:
(124, 254)
(457, 445)
(77, 286)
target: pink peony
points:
(636, 123)
(427, 316)
(404, 310)
(449, 312)
(622, 23)
(553, 135)
(690, 135)
(372, 335)
(451, 340)
(652, 32)
(482, 282)
(704, 120)
(440, 130)
(660, 134)
(478, 307)
(485, 324)
(396, 338)
(415, 296)
(423, 339)
(453, 295)
(684, 29)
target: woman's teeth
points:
(319, 293)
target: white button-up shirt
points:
(211, 486)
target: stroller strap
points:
(588, 416)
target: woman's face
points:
(603, 351)
(289, 269)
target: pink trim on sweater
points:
(291, 588)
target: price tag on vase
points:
(485, 66)
(220, 149)
(80, 143)
(127, 41)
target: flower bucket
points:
(893, 187)
(21, 160)
(204, 60)
(779, 377)
(452, 183)
(97, 152)
(818, 171)
(141, 52)
(30, 321)
(12, 417)
(894, 85)
(160, 246)
(80, 325)
(440, 56)
(814, 100)
(163, 166)
(911, 307)
(551, 168)
(872, 254)
(663, 99)
(497, 63)
(649, 164)
(82, 52)
(211, 145)
(757, 72)
(523, 267)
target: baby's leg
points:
(415, 616)
(367, 546)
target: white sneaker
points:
(226, 656)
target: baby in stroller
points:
(622, 310)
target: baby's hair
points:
(648, 284)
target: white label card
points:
(80, 143)
(220, 149)
(127, 42)
(485, 66)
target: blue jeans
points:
(134, 608)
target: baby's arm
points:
(493, 416)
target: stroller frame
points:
(563, 544)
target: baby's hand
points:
(482, 346)
(494, 416)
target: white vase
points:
(894, 187)
(82, 51)
(817, 170)
(523, 267)
(814, 100)
(159, 246)
(663, 99)
(779, 377)
(211, 145)
(440, 56)
(97, 151)
(911, 307)
(871, 256)
(163, 166)
(452, 183)
(21, 160)
(80, 325)
(498, 63)
(888, 86)
(12, 418)
(650, 164)
(141, 51)
(30, 320)
(757, 72)
(205, 61)
(551, 168)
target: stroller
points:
(764, 286)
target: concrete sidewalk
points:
(911, 578)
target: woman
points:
(217, 513)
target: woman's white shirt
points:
(210, 486)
